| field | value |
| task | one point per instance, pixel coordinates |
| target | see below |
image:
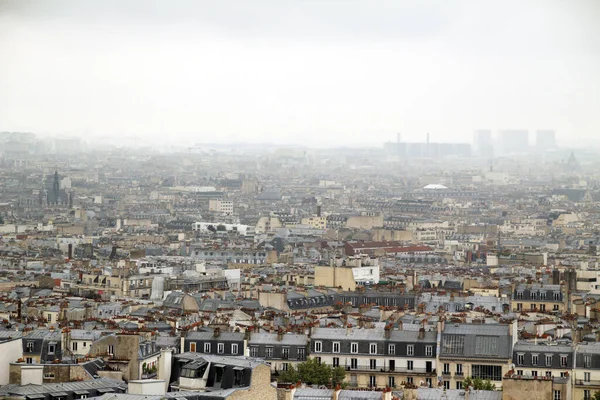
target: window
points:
(30, 346)
(532, 307)
(336, 347)
(542, 295)
(51, 348)
(301, 353)
(534, 359)
(548, 374)
(29, 360)
(392, 349)
(486, 345)
(485, 372)
(556, 395)
(234, 348)
(49, 318)
(519, 295)
(587, 394)
(519, 306)
(410, 350)
(74, 346)
(391, 381)
(563, 361)
(336, 362)
(111, 349)
(557, 296)
(254, 351)
(520, 372)
(520, 359)
(49, 375)
(459, 369)
(409, 365)
(446, 369)
(372, 381)
(318, 346)
(542, 307)
(533, 295)
(548, 360)
(453, 344)
(586, 376)
(193, 347)
(587, 361)
(353, 348)
(84, 346)
(318, 360)
(392, 365)
(268, 352)
(428, 351)
(373, 348)
(285, 353)
(207, 347)
(354, 363)
(220, 348)
(428, 382)
(534, 373)
(447, 385)
(373, 363)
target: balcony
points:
(588, 383)
(386, 369)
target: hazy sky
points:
(313, 72)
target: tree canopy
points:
(312, 372)
(479, 384)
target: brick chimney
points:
(279, 334)
(388, 331)
(421, 333)
(217, 332)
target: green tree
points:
(221, 228)
(478, 384)
(596, 395)
(313, 372)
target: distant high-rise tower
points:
(514, 140)
(483, 143)
(545, 139)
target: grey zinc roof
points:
(8, 335)
(359, 395)
(271, 338)
(26, 390)
(240, 361)
(477, 329)
(455, 394)
(313, 394)
(542, 348)
(209, 335)
(591, 348)
(370, 334)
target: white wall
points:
(11, 351)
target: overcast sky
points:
(313, 72)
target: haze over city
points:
(317, 73)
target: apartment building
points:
(586, 370)
(378, 357)
(539, 297)
(475, 350)
(279, 349)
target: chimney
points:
(421, 333)
(336, 392)
(386, 394)
(217, 332)
(388, 331)
(318, 211)
(70, 252)
(279, 335)
(400, 325)
(348, 329)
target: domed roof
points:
(435, 186)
